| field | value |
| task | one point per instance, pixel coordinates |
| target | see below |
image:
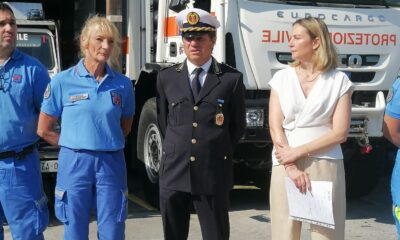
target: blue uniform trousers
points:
(22, 200)
(90, 180)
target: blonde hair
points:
(98, 24)
(325, 57)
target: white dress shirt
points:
(202, 77)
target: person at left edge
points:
(96, 107)
(23, 80)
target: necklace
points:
(307, 77)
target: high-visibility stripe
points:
(141, 202)
(171, 27)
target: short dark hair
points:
(212, 34)
(5, 7)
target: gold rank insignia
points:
(193, 18)
(219, 119)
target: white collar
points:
(205, 66)
(5, 62)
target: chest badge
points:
(116, 99)
(219, 115)
(79, 97)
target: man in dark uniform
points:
(201, 115)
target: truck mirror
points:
(178, 5)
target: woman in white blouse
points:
(309, 116)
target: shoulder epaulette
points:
(229, 66)
(164, 67)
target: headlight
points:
(255, 117)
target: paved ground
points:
(367, 218)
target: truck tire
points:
(150, 150)
(363, 170)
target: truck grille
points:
(346, 60)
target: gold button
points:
(195, 124)
(194, 141)
(195, 108)
(225, 157)
(192, 158)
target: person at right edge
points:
(201, 115)
(391, 131)
(309, 116)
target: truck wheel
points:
(150, 149)
(363, 171)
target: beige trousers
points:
(284, 228)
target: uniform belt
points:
(18, 155)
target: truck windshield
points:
(37, 45)
(389, 3)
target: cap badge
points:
(193, 18)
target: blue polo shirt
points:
(90, 112)
(23, 80)
(393, 110)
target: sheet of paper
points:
(313, 207)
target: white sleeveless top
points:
(306, 119)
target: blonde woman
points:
(96, 107)
(309, 116)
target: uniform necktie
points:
(195, 84)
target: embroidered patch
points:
(82, 96)
(390, 95)
(47, 93)
(17, 78)
(116, 99)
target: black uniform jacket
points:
(197, 152)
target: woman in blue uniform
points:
(96, 107)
